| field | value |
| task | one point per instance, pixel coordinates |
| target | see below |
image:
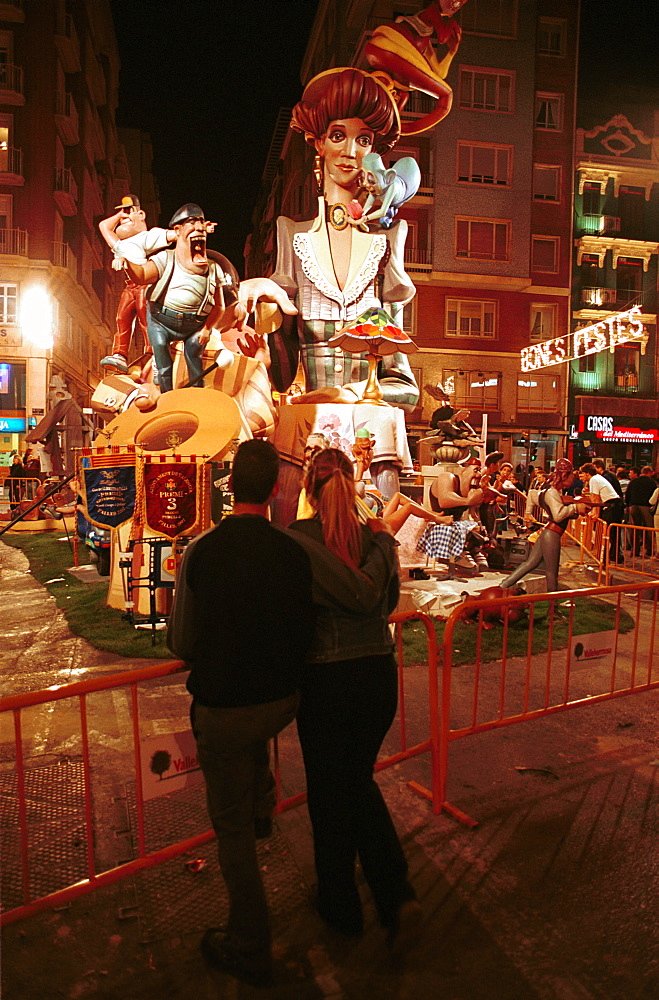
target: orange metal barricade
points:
(546, 680)
(640, 551)
(132, 679)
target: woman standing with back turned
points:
(349, 698)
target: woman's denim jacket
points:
(351, 609)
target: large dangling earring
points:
(318, 174)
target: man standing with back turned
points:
(243, 620)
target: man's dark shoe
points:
(403, 932)
(263, 827)
(220, 951)
(349, 924)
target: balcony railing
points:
(11, 161)
(66, 39)
(13, 241)
(11, 79)
(66, 118)
(63, 256)
(12, 10)
(608, 389)
(418, 260)
(419, 104)
(598, 298)
(617, 298)
(427, 184)
(599, 225)
(66, 182)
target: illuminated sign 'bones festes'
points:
(610, 332)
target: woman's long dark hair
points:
(330, 488)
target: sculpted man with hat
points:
(194, 290)
(128, 222)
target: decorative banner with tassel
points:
(171, 497)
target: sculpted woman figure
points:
(331, 269)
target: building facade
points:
(613, 409)
(63, 166)
(490, 241)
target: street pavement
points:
(554, 895)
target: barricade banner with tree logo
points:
(170, 497)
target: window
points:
(537, 393)
(480, 239)
(631, 205)
(473, 390)
(587, 363)
(592, 197)
(486, 89)
(543, 321)
(544, 253)
(12, 386)
(471, 318)
(626, 362)
(482, 164)
(8, 304)
(549, 112)
(6, 131)
(546, 183)
(551, 36)
(409, 318)
(490, 17)
(629, 281)
(68, 332)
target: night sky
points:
(206, 79)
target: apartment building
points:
(489, 247)
(613, 409)
(63, 166)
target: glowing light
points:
(37, 317)
(614, 330)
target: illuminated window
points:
(12, 386)
(544, 253)
(473, 390)
(486, 89)
(482, 164)
(549, 112)
(490, 17)
(8, 303)
(592, 198)
(471, 318)
(551, 36)
(481, 239)
(546, 183)
(537, 393)
(543, 321)
(4, 148)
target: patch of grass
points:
(83, 604)
(590, 615)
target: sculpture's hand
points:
(254, 290)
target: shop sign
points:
(601, 428)
(607, 334)
(12, 425)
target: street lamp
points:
(36, 317)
